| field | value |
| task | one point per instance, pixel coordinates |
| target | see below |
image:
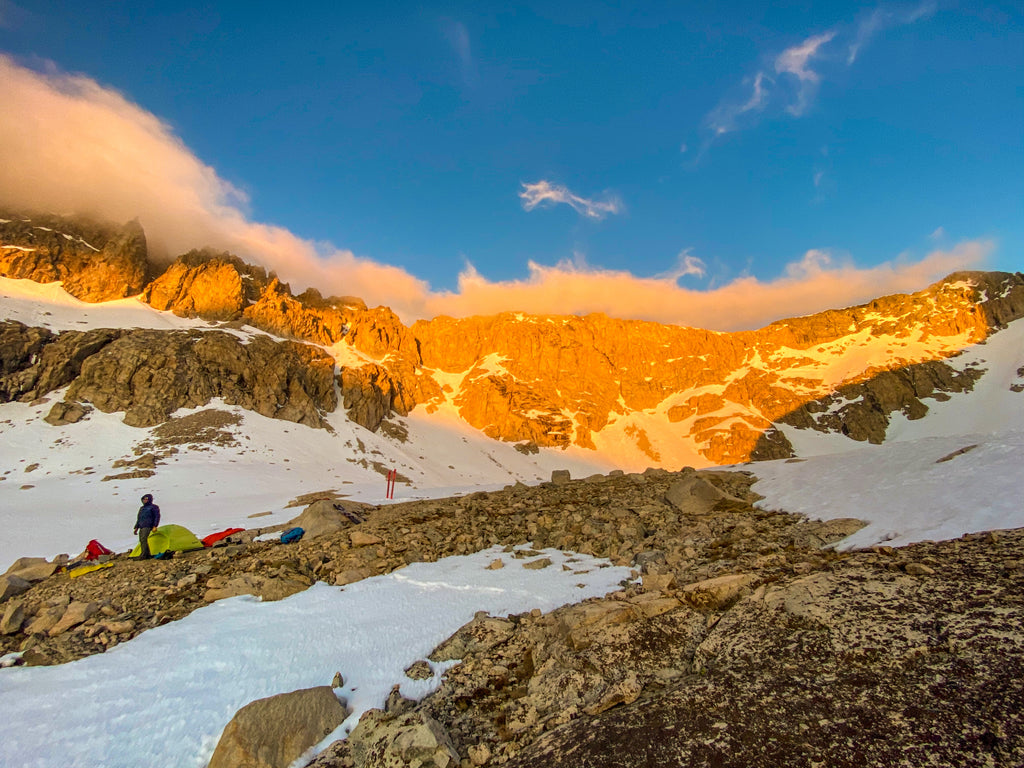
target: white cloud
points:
(686, 265)
(797, 71)
(541, 192)
(724, 117)
(796, 61)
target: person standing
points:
(148, 519)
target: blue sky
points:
(700, 145)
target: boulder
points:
(318, 518)
(266, 588)
(13, 618)
(32, 569)
(411, 738)
(66, 413)
(11, 585)
(693, 495)
(364, 538)
(275, 731)
(717, 593)
(76, 613)
(560, 476)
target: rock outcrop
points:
(150, 374)
(94, 261)
(206, 284)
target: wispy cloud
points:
(70, 144)
(883, 18)
(796, 61)
(686, 265)
(798, 70)
(458, 37)
(544, 192)
(724, 117)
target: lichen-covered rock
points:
(381, 740)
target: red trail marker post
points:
(392, 479)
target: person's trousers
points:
(144, 543)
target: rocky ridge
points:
(673, 394)
(745, 641)
(95, 261)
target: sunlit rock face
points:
(94, 261)
(663, 395)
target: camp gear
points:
(213, 538)
(94, 549)
(175, 538)
(84, 569)
(292, 534)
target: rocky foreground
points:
(745, 642)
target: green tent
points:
(175, 538)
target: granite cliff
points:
(647, 393)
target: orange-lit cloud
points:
(810, 285)
(68, 144)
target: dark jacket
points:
(149, 516)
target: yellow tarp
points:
(84, 569)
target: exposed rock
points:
(714, 594)
(32, 569)
(419, 670)
(94, 261)
(370, 395)
(694, 495)
(266, 588)
(560, 476)
(360, 538)
(11, 585)
(538, 564)
(320, 517)
(66, 413)
(76, 613)
(275, 731)
(13, 617)
(382, 741)
(150, 374)
(206, 284)
(36, 362)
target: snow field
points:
(165, 696)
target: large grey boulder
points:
(275, 731)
